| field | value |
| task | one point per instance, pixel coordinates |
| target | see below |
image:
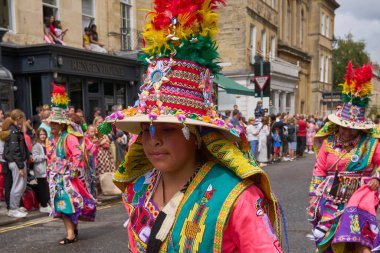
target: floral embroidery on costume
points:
(192, 232)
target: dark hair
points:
(87, 29)
(235, 112)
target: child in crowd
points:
(276, 143)
(40, 165)
(86, 38)
(92, 151)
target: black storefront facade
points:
(91, 79)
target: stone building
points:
(92, 79)
(374, 104)
(295, 36)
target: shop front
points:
(91, 79)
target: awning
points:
(231, 86)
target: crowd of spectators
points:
(277, 137)
(23, 156)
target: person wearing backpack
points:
(16, 154)
(7, 174)
(281, 125)
(292, 138)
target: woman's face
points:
(168, 150)
(20, 121)
(51, 20)
(348, 134)
(42, 136)
(98, 122)
(91, 131)
(55, 128)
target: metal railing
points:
(130, 39)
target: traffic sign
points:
(261, 81)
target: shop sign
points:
(94, 67)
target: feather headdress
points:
(184, 30)
(357, 87)
(59, 96)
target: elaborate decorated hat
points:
(181, 59)
(357, 88)
(59, 103)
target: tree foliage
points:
(347, 49)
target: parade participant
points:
(343, 191)
(70, 198)
(188, 188)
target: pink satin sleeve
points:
(320, 168)
(74, 152)
(249, 228)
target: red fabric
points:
(28, 142)
(29, 199)
(52, 29)
(302, 126)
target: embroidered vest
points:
(360, 158)
(202, 213)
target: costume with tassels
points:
(68, 194)
(343, 207)
(227, 205)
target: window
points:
(6, 12)
(326, 69)
(88, 13)
(323, 24)
(288, 23)
(126, 26)
(327, 26)
(49, 8)
(322, 68)
(264, 43)
(302, 20)
(272, 52)
(253, 44)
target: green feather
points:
(203, 52)
(362, 102)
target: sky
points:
(362, 19)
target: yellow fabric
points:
(86, 40)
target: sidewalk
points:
(5, 220)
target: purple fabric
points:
(357, 226)
(87, 213)
(350, 110)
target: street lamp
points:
(333, 43)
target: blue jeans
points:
(254, 146)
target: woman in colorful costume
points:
(343, 191)
(70, 198)
(187, 187)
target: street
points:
(290, 181)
